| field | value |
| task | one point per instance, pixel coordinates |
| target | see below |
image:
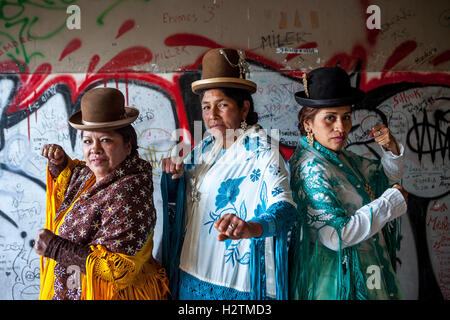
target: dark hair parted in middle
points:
(239, 95)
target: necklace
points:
(195, 194)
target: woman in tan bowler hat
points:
(234, 212)
(98, 236)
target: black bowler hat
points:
(328, 87)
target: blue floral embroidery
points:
(262, 207)
(276, 191)
(214, 217)
(232, 254)
(257, 146)
(228, 192)
(255, 175)
(225, 204)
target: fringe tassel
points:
(111, 276)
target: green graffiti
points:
(19, 25)
(19, 19)
(109, 9)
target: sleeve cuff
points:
(397, 202)
(401, 150)
(279, 217)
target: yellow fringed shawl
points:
(108, 275)
(56, 189)
(116, 276)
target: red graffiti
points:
(125, 27)
(189, 39)
(443, 57)
(126, 59)
(93, 63)
(72, 46)
(401, 52)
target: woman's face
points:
(219, 112)
(331, 126)
(103, 151)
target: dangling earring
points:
(310, 138)
(244, 125)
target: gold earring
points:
(244, 125)
(310, 138)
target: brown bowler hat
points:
(224, 68)
(103, 109)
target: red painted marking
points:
(434, 78)
(126, 59)
(125, 27)
(443, 57)
(73, 45)
(29, 83)
(402, 51)
(189, 39)
(348, 62)
(93, 63)
(10, 66)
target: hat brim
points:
(76, 121)
(356, 96)
(223, 82)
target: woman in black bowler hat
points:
(347, 230)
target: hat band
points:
(88, 123)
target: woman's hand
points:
(234, 228)
(54, 153)
(42, 240)
(173, 165)
(402, 190)
(384, 138)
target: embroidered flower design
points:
(276, 191)
(140, 214)
(262, 206)
(228, 192)
(255, 175)
(119, 197)
(129, 223)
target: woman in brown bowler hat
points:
(98, 236)
(228, 236)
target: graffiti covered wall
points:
(151, 50)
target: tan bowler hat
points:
(103, 109)
(224, 68)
